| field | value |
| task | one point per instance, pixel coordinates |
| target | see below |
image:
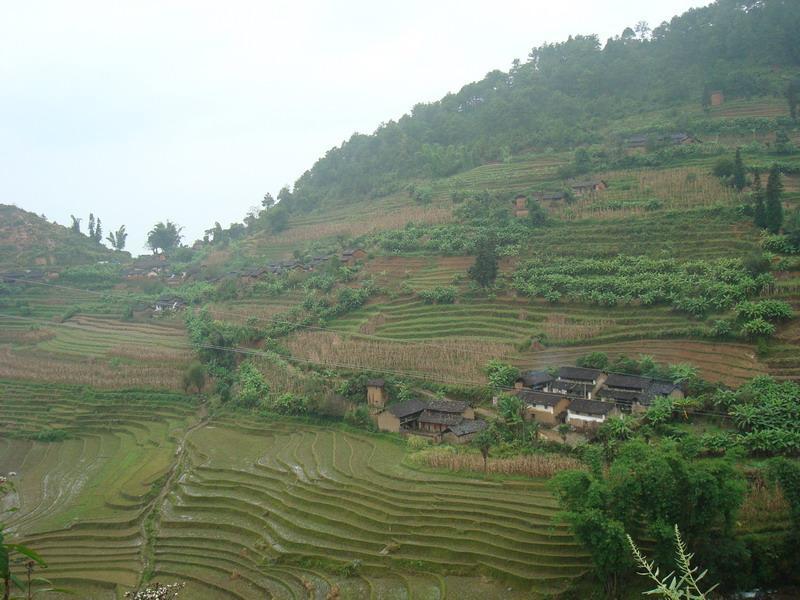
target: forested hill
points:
(563, 94)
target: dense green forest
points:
(563, 94)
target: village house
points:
(400, 417)
(545, 408)
(430, 418)
(351, 256)
(585, 414)
(626, 400)
(551, 196)
(717, 98)
(377, 395)
(533, 380)
(588, 187)
(166, 305)
(579, 382)
(463, 432)
(520, 206)
(636, 141)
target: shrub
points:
(289, 404)
(757, 328)
(252, 389)
(439, 295)
(593, 360)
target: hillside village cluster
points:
(579, 397)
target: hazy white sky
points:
(145, 110)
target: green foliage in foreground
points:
(696, 287)
(674, 587)
(647, 491)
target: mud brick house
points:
(464, 431)
(520, 206)
(400, 417)
(552, 196)
(534, 380)
(543, 407)
(588, 187)
(377, 395)
(585, 414)
(431, 418)
(717, 98)
(576, 381)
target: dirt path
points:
(151, 514)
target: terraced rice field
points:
(81, 501)
(249, 509)
(278, 510)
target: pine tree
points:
(98, 232)
(774, 206)
(760, 211)
(739, 175)
(484, 271)
(91, 226)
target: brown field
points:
(365, 224)
(536, 465)
(455, 360)
(674, 188)
(96, 372)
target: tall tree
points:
(98, 231)
(268, 201)
(117, 239)
(164, 237)
(792, 97)
(774, 205)
(739, 175)
(759, 209)
(484, 270)
(91, 226)
(76, 224)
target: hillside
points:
(29, 241)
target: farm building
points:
(463, 432)
(626, 400)
(636, 141)
(400, 417)
(165, 305)
(588, 187)
(377, 395)
(520, 206)
(717, 98)
(552, 196)
(352, 255)
(545, 408)
(587, 414)
(534, 380)
(431, 417)
(576, 381)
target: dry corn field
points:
(462, 359)
(529, 466)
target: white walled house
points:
(588, 414)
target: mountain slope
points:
(28, 241)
